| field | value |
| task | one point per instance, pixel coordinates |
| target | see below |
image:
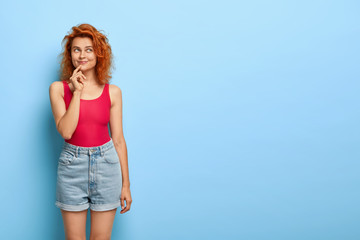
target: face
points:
(82, 53)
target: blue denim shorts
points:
(88, 177)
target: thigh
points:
(72, 181)
(74, 224)
(108, 182)
(101, 224)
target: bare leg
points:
(74, 224)
(101, 224)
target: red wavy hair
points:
(102, 51)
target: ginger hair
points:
(101, 48)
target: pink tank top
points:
(92, 129)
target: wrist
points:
(77, 93)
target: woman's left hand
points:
(125, 195)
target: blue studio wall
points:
(241, 117)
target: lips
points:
(83, 62)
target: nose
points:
(81, 54)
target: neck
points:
(91, 79)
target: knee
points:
(101, 237)
(75, 238)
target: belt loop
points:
(76, 151)
(101, 151)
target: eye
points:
(78, 49)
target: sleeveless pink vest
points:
(92, 129)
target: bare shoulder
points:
(115, 89)
(115, 94)
(56, 88)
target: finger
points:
(77, 69)
(78, 76)
(81, 76)
(123, 211)
(122, 203)
(74, 76)
(128, 205)
(78, 80)
(126, 209)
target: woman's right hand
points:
(76, 79)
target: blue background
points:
(241, 117)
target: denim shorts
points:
(88, 177)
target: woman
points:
(92, 167)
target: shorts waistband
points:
(87, 150)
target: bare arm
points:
(117, 134)
(120, 145)
(65, 120)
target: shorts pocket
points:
(111, 156)
(66, 157)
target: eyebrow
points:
(79, 47)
